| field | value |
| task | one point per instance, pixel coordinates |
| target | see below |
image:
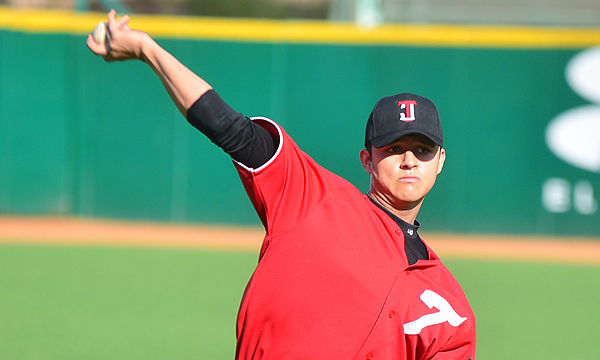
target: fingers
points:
(112, 15)
(114, 25)
(98, 49)
(121, 43)
(94, 46)
(101, 49)
(122, 23)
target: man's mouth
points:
(409, 179)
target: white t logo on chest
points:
(445, 314)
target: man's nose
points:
(409, 160)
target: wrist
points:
(146, 45)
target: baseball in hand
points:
(99, 33)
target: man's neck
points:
(407, 213)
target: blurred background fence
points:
(525, 12)
(519, 108)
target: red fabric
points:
(333, 279)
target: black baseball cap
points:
(397, 115)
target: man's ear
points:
(442, 160)
(365, 159)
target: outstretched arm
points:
(241, 138)
(182, 84)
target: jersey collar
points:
(409, 230)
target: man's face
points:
(403, 172)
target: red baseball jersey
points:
(333, 280)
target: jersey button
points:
(369, 356)
(391, 314)
(407, 272)
(398, 232)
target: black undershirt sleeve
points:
(245, 141)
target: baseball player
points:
(341, 275)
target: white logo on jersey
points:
(445, 313)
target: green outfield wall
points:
(79, 136)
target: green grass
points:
(60, 302)
(105, 303)
(532, 310)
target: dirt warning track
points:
(99, 232)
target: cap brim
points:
(390, 138)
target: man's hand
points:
(122, 43)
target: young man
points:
(341, 275)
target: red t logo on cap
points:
(409, 111)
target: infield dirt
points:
(102, 232)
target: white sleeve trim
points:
(280, 134)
